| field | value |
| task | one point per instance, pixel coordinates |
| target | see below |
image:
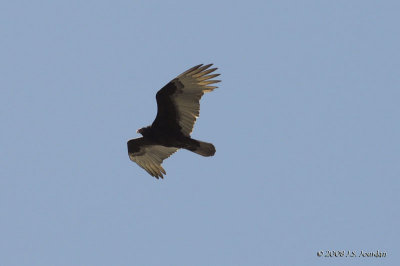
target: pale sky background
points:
(305, 123)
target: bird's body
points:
(178, 108)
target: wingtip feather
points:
(198, 70)
(203, 73)
(190, 70)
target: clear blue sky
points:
(305, 123)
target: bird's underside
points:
(178, 105)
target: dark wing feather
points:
(179, 101)
(149, 156)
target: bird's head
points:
(143, 131)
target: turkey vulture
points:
(178, 106)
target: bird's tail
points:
(203, 148)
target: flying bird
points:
(178, 107)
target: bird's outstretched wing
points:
(178, 102)
(149, 156)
